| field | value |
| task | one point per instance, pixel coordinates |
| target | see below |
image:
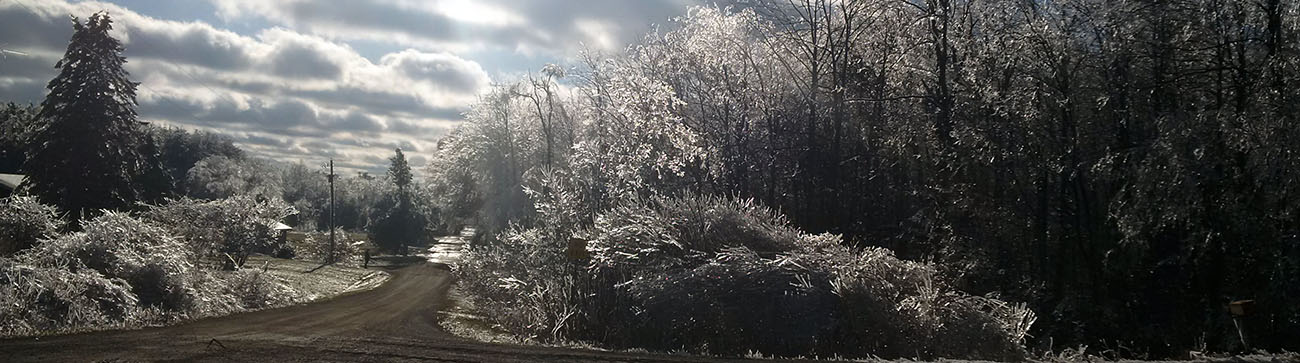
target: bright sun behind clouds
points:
(304, 79)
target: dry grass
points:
(462, 319)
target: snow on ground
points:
(313, 282)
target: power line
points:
(4, 50)
(24, 6)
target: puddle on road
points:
(448, 249)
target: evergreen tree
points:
(399, 222)
(85, 154)
(400, 171)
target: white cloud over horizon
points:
(298, 89)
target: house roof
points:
(11, 181)
(282, 227)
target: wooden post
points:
(330, 258)
(1240, 309)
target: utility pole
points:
(330, 259)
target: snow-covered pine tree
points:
(85, 153)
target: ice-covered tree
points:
(400, 171)
(399, 222)
(85, 154)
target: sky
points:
(310, 80)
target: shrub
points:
(315, 246)
(686, 231)
(230, 228)
(23, 221)
(36, 300)
(527, 285)
(119, 246)
(254, 289)
(224, 292)
(723, 276)
(713, 223)
(120, 271)
(736, 303)
(898, 308)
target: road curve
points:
(396, 321)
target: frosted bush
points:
(722, 276)
(36, 300)
(121, 271)
(230, 229)
(119, 246)
(23, 221)
(315, 246)
(254, 289)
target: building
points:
(281, 232)
(9, 183)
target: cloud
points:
(360, 122)
(379, 102)
(328, 16)
(309, 78)
(276, 90)
(21, 29)
(449, 71)
(553, 27)
(190, 43)
(572, 24)
(299, 56)
(20, 90)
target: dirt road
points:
(394, 322)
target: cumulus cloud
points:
(282, 93)
(290, 83)
(22, 28)
(443, 69)
(299, 56)
(189, 43)
(335, 17)
(551, 27)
